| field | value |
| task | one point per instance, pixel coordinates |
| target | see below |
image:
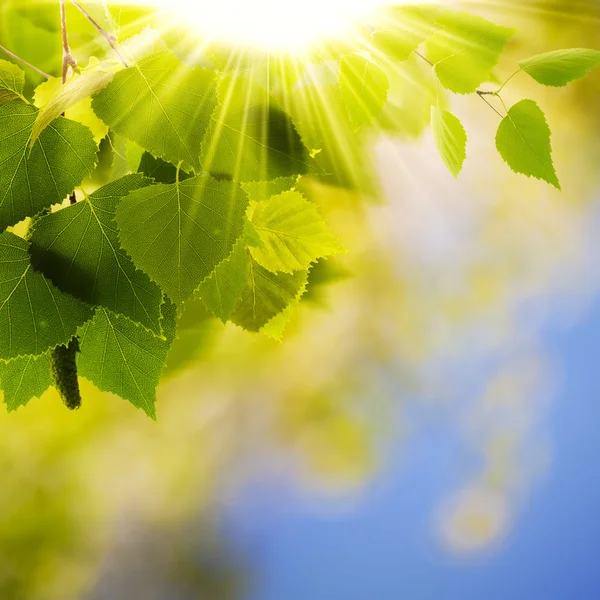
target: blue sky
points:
(384, 548)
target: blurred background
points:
(426, 430)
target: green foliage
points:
(364, 88)
(32, 179)
(24, 378)
(196, 206)
(163, 227)
(265, 295)
(251, 137)
(78, 249)
(465, 50)
(292, 233)
(450, 139)
(56, 100)
(123, 358)
(34, 314)
(12, 82)
(523, 140)
(559, 68)
(221, 291)
(162, 105)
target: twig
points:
(110, 40)
(23, 61)
(68, 60)
(483, 95)
(424, 58)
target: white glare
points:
(270, 24)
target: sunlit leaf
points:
(364, 87)
(292, 232)
(73, 100)
(523, 140)
(251, 138)
(465, 51)
(179, 233)
(562, 66)
(265, 295)
(450, 139)
(162, 105)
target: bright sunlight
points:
(270, 24)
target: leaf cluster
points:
(202, 201)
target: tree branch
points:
(110, 39)
(23, 61)
(68, 60)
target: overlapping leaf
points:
(73, 100)
(162, 105)
(78, 249)
(364, 86)
(12, 80)
(523, 140)
(179, 233)
(292, 232)
(402, 30)
(465, 50)
(33, 179)
(221, 291)
(251, 137)
(34, 314)
(121, 357)
(265, 295)
(24, 378)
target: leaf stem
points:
(483, 95)
(424, 58)
(110, 39)
(504, 84)
(23, 61)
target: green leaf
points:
(562, 66)
(73, 100)
(321, 117)
(127, 156)
(34, 314)
(450, 139)
(221, 291)
(24, 378)
(523, 140)
(162, 105)
(466, 50)
(12, 81)
(195, 326)
(260, 191)
(265, 295)
(160, 170)
(251, 138)
(403, 29)
(123, 358)
(364, 88)
(292, 232)
(78, 249)
(31, 180)
(179, 233)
